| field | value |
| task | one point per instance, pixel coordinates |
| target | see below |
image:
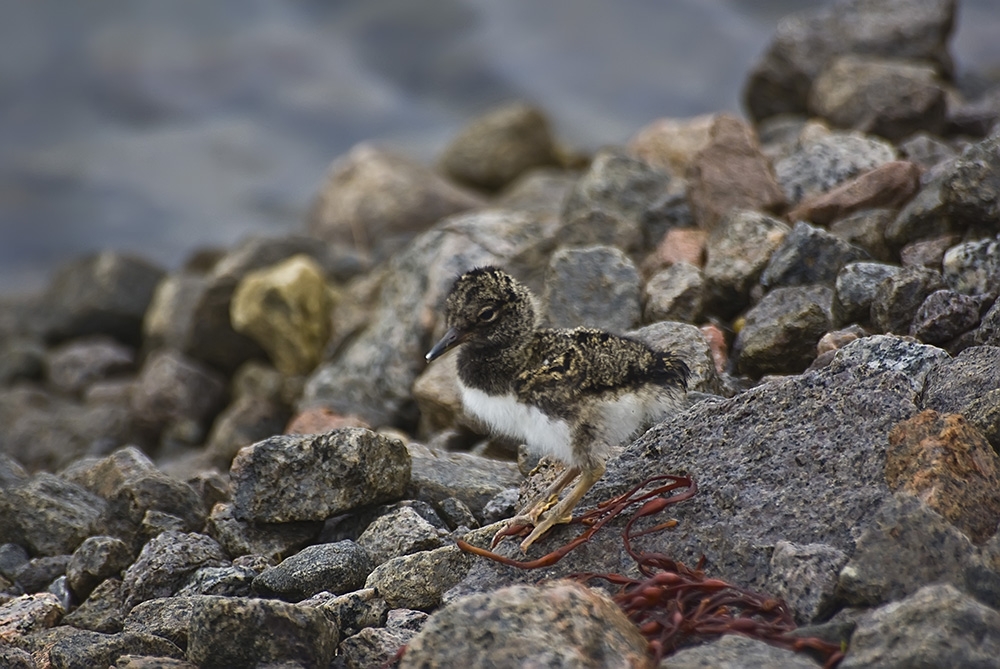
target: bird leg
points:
(563, 511)
(537, 506)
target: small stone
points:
(838, 339)
(679, 245)
(951, 467)
(472, 479)
(674, 294)
(855, 289)
(865, 229)
(559, 624)
(338, 568)
(372, 647)
(239, 632)
(165, 563)
(29, 613)
(37, 574)
(227, 581)
(318, 420)
(926, 150)
(888, 186)
(943, 316)
(781, 332)
(276, 540)
(596, 286)
(927, 253)
(74, 366)
(805, 576)
(399, 532)
(456, 514)
(92, 649)
(438, 396)
(129, 661)
(672, 144)
(898, 297)
(924, 216)
(970, 188)
(497, 147)
(826, 162)
(808, 255)
(419, 580)
(101, 611)
(354, 611)
(691, 345)
(54, 515)
(984, 415)
(733, 651)
(973, 268)
(167, 617)
(333, 473)
(98, 558)
(956, 382)
(248, 419)
(731, 173)
(172, 388)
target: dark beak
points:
(451, 337)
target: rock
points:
(984, 415)
(399, 532)
(102, 294)
(38, 573)
(927, 253)
(885, 97)
(729, 173)
(926, 150)
(597, 287)
(438, 397)
(540, 190)
(373, 373)
(419, 580)
(98, 558)
(12, 557)
(129, 661)
(15, 658)
(737, 253)
(808, 255)
(248, 419)
(173, 389)
(906, 546)
(377, 201)
(955, 383)
(101, 611)
(678, 245)
(338, 568)
(691, 345)
(228, 581)
(52, 516)
(238, 632)
(498, 146)
(733, 651)
(334, 472)
(898, 297)
(805, 43)
(988, 332)
(353, 611)
(83, 650)
(838, 339)
(943, 316)
(805, 576)
(377, 646)
(936, 626)
(74, 366)
(472, 479)
(671, 144)
(829, 161)
(165, 563)
(456, 514)
(29, 613)
(167, 617)
(286, 309)
(674, 294)
(21, 359)
(781, 332)
(951, 467)
(559, 624)
(855, 289)
(888, 186)
(614, 202)
(970, 187)
(973, 268)
(923, 216)
(274, 540)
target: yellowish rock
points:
(286, 309)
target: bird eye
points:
(487, 314)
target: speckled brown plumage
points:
(573, 394)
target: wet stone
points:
(338, 568)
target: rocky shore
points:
(246, 462)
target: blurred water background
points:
(160, 127)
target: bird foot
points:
(518, 525)
(548, 522)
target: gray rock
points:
(988, 332)
(337, 568)
(927, 253)
(419, 580)
(781, 332)
(944, 315)
(353, 611)
(674, 294)
(955, 383)
(167, 617)
(399, 532)
(12, 556)
(21, 359)
(228, 581)
(829, 161)
(984, 414)
(15, 658)
(495, 148)
(98, 558)
(166, 562)
(147, 662)
(101, 611)
(898, 297)
(880, 354)
(374, 646)
(614, 201)
(808, 255)
(926, 150)
(248, 419)
(472, 479)
(886, 97)
(172, 389)
(806, 42)
(805, 576)
(733, 651)
(52, 516)
(84, 650)
(855, 289)
(541, 190)
(36, 574)
(239, 632)
(595, 286)
(333, 473)
(906, 546)
(102, 294)
(971, 186)
(560, 624)
(737, 251)
(456, 513)
(690, 344)
(275, 540)
(937, 626)
(77, 364)
(973, 268)
(923, 216)
(373, 374)
(505, 503)
(865, 229)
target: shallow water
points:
(162, 127)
